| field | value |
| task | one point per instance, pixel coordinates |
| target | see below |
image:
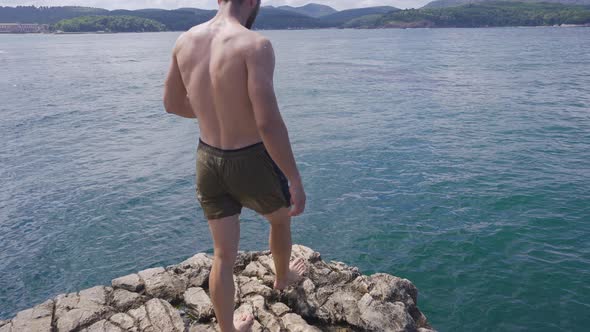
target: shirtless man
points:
(222, 74)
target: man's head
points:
(249, 8)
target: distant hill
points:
(452, 3)
(312, 10)
(344, 16)
(488, 13)
(109, 24)
(45, 15)
(485, 14)
(275, 18)
(176, 20)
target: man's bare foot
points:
(243, 323)
(296, 270)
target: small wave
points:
(346, 63)
(2, 52)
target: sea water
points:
(456, 158)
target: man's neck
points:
(230, 11)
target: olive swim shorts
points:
(227, 180)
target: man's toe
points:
(250, 320)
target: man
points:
(222, 74)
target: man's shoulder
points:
(259, 39)
(190, 37)
(192, 33)
(256, 42)
(246, 40)
(181, 40)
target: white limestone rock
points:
(264, 315)
(6, 327)
(279, 309)
(157, 315)
(253, 286)
(384, 316)
(37, 318)
(294, 323)
(198, 261)
(198, 303)
(76, 311)
(341, 307)
(103, 326)
(331, 295)
(125, 321)
(198, 327)
(131, 282)
(163, 284)
(123, 300)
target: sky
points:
(211, 4)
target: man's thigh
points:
(226, 235)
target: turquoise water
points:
(456, 158)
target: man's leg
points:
(226, 237)
(280, 248)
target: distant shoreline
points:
(297, 29)
(471, 15)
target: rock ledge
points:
(331, 297)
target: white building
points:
(23, 28)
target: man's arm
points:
(175, 95)
(260, 64)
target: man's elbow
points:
(269, 127)
(168, 106)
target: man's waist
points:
(228, 153)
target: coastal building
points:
(23, 28)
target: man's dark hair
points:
(252, 18)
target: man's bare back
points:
(212, 60)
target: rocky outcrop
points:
(331, 297)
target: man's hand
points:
(297, 199)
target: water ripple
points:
(457, 158)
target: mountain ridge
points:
(483, 14)
(489, 13)
(311, 9)
(454, 3)
(346, 15)
(185, 17)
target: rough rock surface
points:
(331, 297)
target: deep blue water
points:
(456, 158)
